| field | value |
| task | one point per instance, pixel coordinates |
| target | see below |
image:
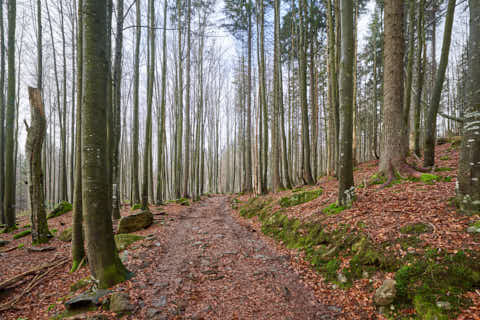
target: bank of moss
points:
(424, 281)
(60, 209)
(300, 197)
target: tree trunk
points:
(393, 155)
(186, 166)
(345, 169)
(33, 150)
(116, 114)
(136, 83)
(468, 191)
(420, 78)
(431, 117)
(2, 117)
(105, 265)
(9, 196)
(306, 168)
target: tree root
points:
(404, 170)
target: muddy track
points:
(211, 267)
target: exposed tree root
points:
(404, 170)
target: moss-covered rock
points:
(60, 209)
(299, 198)
(416, 228)
(122, 241)
(136, 206)
(135, 222)
(437, 277)
(66, 235)
(80, 284)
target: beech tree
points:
(103, 259)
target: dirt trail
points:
(211, 267)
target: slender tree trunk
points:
(63, 128)
(161, 132)
(409, 80)
(420, 77)
(136, 80)
(186, 166)
(248, 166)
(2, 116)
(307, 171)
(105, 265)
(9, 196)
(431, 117)
(116, 114)
(345, 172)
(179, 126)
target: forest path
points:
(211, 267)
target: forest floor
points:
(208, 261)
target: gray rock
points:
(3, 243)
(41, 249)
(160, 303)
(154, 314)
(386, 293)
(473, 229)
(120, 303)
(135, 222)
(86, 300)
(445, 305)
(342, 278)
(66, 235)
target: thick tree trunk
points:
(33, 150)
(468, 188)
(394, 150)
(431, 117)
(345, 166)
(103, 259)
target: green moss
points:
(27, 226)
(444, 158)
(415, 228)
(21, 245)
(137, 206)
(80, 284)
(256, 207)
(443, 169)
(112, 275)
(183, 202)
(378, 179)
(299, 198)
(22, 234)
(429, 178)
(330, 269)
(300, 189)
(122, 241)
(437, 277)
(333, 209)
(60, 209)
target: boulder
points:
(40, 249)
(120, 303)
(60, 209)
(386, 293)
(135, 222)
(66, 235)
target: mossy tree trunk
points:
(468, 191)
(33, 150)
(9, 196)
(103, 259)
(345, 165)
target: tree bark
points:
(9, 196)
(345, 169)
(2, 117)
(105, 265)
(431, 117)
(33, 150)
(136, 83)
(468, 188)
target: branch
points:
(461, 120)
